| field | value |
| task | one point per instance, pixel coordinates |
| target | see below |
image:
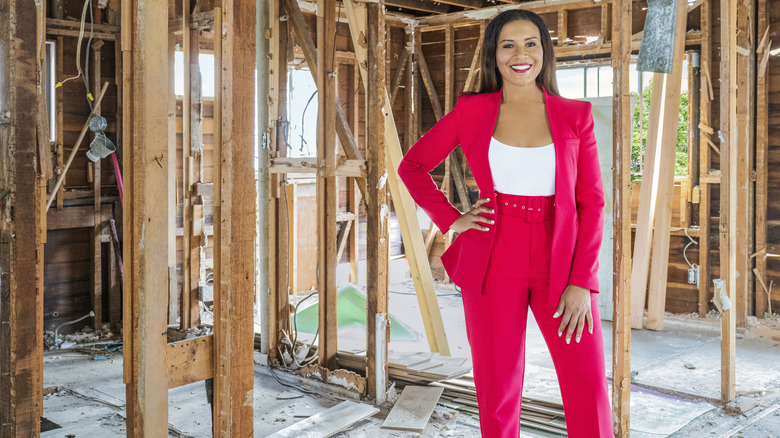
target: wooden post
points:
(745, 154)
(563, 26)
(728, 192)
(194, 174)
(21, 236)
(704, 160)
(174, 297)
(327, 195)
(96, 280)
(186, 296)
(667, 133)
(621, 195)
(234, 26)
(378, 212)
(145, 32)
(59, 119)
(762, 150)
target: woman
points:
(533, 237)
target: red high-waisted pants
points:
(518, 278)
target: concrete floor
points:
(676, 383)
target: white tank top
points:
(525, 171)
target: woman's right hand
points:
(473, 219)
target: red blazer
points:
(579, 196)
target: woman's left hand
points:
(575, 309)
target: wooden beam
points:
(399, 71)
(96, 280)
(705, 99)
(648, 197)
(327, 191)
(471, 79)
(538, 6)
(728, 193)
(563, 27)
(377, 211)
(186, 296)
(762, 150)
(621, 218)
(189, 361)
(419, 5)
(405, 208)
(234, 298)
(147, 163)
(656, 295)
(21, 236)
(745, 155)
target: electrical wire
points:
(87, 5)
(692, 242)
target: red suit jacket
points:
(579, 196)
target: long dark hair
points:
(490, 78)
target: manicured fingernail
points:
(578, 339)
(492, 211)
(568, 340)
(556, 315)
(492, 221)
(559, 334)
(590, 330)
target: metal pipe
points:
(263, 180)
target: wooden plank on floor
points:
(413, 409)
(329, 422)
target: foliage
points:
(639, 135)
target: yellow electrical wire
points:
(78, 49)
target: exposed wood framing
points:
(647, 204)
(235, 232)
(405, 209)
(399, 72)
(656, 294)
(189, 361)
(147, 163)
(174, 296)
(705, 99)
(96, 280)
(538, 6)
(377, 212)
(745, 155)
(21, 236)
(621, 195)
(728, 193)
(762, 151)
(186, 171)
(303, 38)
(327, 190)
(563, 26)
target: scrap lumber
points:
(413, 408)
(656, 295)
(329, 422)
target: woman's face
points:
(519, 54)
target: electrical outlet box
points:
(693, 276)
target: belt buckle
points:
(534, 210)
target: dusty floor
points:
(675, 387)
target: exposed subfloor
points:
(676, 383)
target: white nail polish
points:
(556, 315)
(568, 340)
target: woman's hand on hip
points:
(574, 308)
(472, 218)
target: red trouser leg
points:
(518, 277)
